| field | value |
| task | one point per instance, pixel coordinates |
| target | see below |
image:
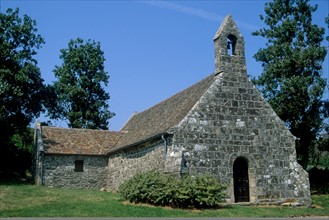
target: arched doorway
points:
(241, 180)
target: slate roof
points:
(151, 123)
(164, 115)
(78, 141)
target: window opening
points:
(231, 44)
(78, 166)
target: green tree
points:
(292, 62)
(21, 86)
(80, 97)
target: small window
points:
(78, 166)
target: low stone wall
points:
(124, 164)
(59, 171)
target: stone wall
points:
(59, 171)
(125, 163)
(232, 120)
(37, 156)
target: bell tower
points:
(229, 48)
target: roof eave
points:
(76, 154)
(159, 135)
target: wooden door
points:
(241, 180)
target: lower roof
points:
(78, 141)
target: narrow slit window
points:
(78, 166)
(231, 44)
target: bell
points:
(229, 45)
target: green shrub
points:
(156, 188)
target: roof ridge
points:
(81, 129)
(131, 116)
(181, 91)
(170, 97)
(166, 114)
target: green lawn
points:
(32, 201)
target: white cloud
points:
(185, 10)
(246, 26)
(196, 12)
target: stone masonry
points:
(125, 163)
(71, 158)
(232, 120)
(59, 171)
(221, 125)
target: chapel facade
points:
(220, 125)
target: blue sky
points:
(153, 49)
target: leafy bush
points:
(156, 188)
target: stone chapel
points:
(220, 125)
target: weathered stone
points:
(59, 171)
(226, 128)
(149, 156)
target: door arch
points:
(241, 180)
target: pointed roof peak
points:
(227, 23)
(228, 16)
(229, 45)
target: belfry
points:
(221, 125)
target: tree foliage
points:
(79, 95)
(21, 86)
(292, 62)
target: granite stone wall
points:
(59, 171)
(126, 163)
(232, 120)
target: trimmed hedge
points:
(156, 188)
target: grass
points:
(32, 201)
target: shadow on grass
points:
(14, 178)
(168, 207)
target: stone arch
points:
(251, 173)
(241, 180)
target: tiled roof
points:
(163, 116)
(141, 126)
(78, 141)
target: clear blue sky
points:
(153, 49)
